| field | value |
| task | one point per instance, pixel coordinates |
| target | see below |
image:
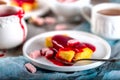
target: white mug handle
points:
(83, 10)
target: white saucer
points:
(103, 51)
(38, 12)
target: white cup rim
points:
(98, 7)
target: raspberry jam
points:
(61, 42)
(51, 57)
(20, 14)
(20, 2)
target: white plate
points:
(41, 10)
(103, 50)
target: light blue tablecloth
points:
(12, 68)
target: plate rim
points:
(66, 68)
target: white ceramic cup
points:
(67, 11)
(107, 26)
(13, 29)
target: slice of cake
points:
(65, 54)
(27, 5)
(57, 41)
(86, 53)
(69, 49)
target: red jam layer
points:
(60, 41)
(2, 54)
(20, 14)
(51, 57)
(21, 1)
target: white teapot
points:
(13, 29)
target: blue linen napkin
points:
(12, 68)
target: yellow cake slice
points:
(66, 55)
(75, 50)
(86, 53)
